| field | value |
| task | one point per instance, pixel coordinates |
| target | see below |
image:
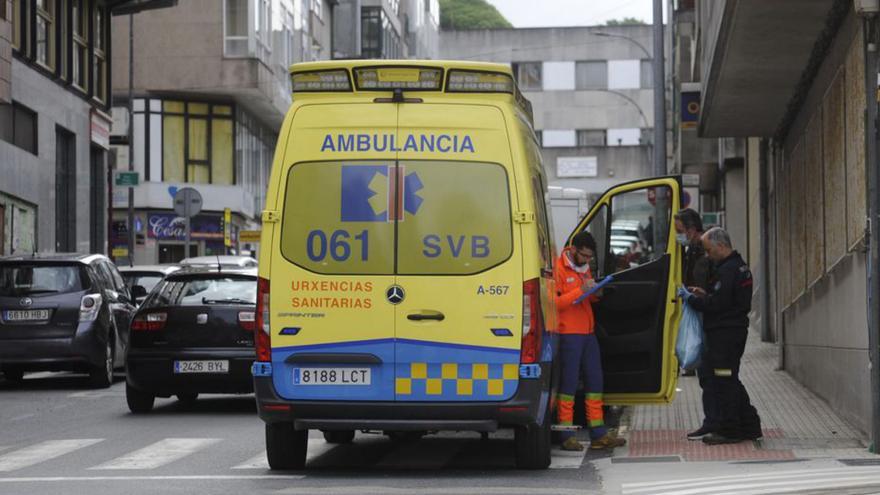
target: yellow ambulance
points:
(406, 260)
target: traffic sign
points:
(126, 178)
(187, 202)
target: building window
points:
(647, 74)
(528, 75)
(558, 138)
(371, 32)
(18, 125)
(624, 137)
(264, 30)
(591, 137)
(46, 33)
(318, 8)
(592, 74)
(20, 25)
(235, 28)
(80, 76)
(197, 143)
(558, 76)
(623, 74)
(100, 65)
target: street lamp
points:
(659, 95)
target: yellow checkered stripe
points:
(466, 378)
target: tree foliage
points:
(470, 14)
(626, 21)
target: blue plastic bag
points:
(689, 345)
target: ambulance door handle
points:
(426, 316)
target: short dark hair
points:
(690, 219)
(584, 240)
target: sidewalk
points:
(796, 423)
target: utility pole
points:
(130, 136)
(659, 93)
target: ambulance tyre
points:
(532, 443)
(285, 446)
(339, 436)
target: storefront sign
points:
(249, 236)
(126, 178)
(100, 130)
(169, 226)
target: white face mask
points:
(681, 239)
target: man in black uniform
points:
(696, 270)
(725, 307)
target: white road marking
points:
(41, 452)
(777, 482)
(158, 454)
(562, 459)
(317, 448)
(209, 477)
(420, 455)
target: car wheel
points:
(339, 436)
(285, 446)
(187, 399)
(532, 443)
(139, 402)
(13, 375)
(102, 376)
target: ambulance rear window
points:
(407, 218)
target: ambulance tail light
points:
(262, 339)
(472, 81)
(530, 351)
(320, 80)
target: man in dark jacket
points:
(725, 307)
(696, 270)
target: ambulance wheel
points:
(339, 436)
(532, 443)
(285, 446)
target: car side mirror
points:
(138, 292)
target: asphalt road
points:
(59, 436)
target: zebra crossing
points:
(427, 454)
(777, 482)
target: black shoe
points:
(699, 433)
(754, 436)
(718, 439)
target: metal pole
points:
(130, 136)
(872, 142)
(659, 93)
(186, 245)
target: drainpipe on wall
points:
(873, 239)
(764, 304)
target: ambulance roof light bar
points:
(320, 80)
(476, 81)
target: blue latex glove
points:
(684, 293)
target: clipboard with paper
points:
(605, 281)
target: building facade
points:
(386, 29)
(209, 118)
(54, 123)
(790, 79)
(591, 91)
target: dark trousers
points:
(729, 401)
(710, 410)
(581, 359)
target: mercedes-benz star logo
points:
(394, 294)
(26, 302)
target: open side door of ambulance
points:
(637, 316)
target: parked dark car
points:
(193, 334)
(63, 312)
(146, 276)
